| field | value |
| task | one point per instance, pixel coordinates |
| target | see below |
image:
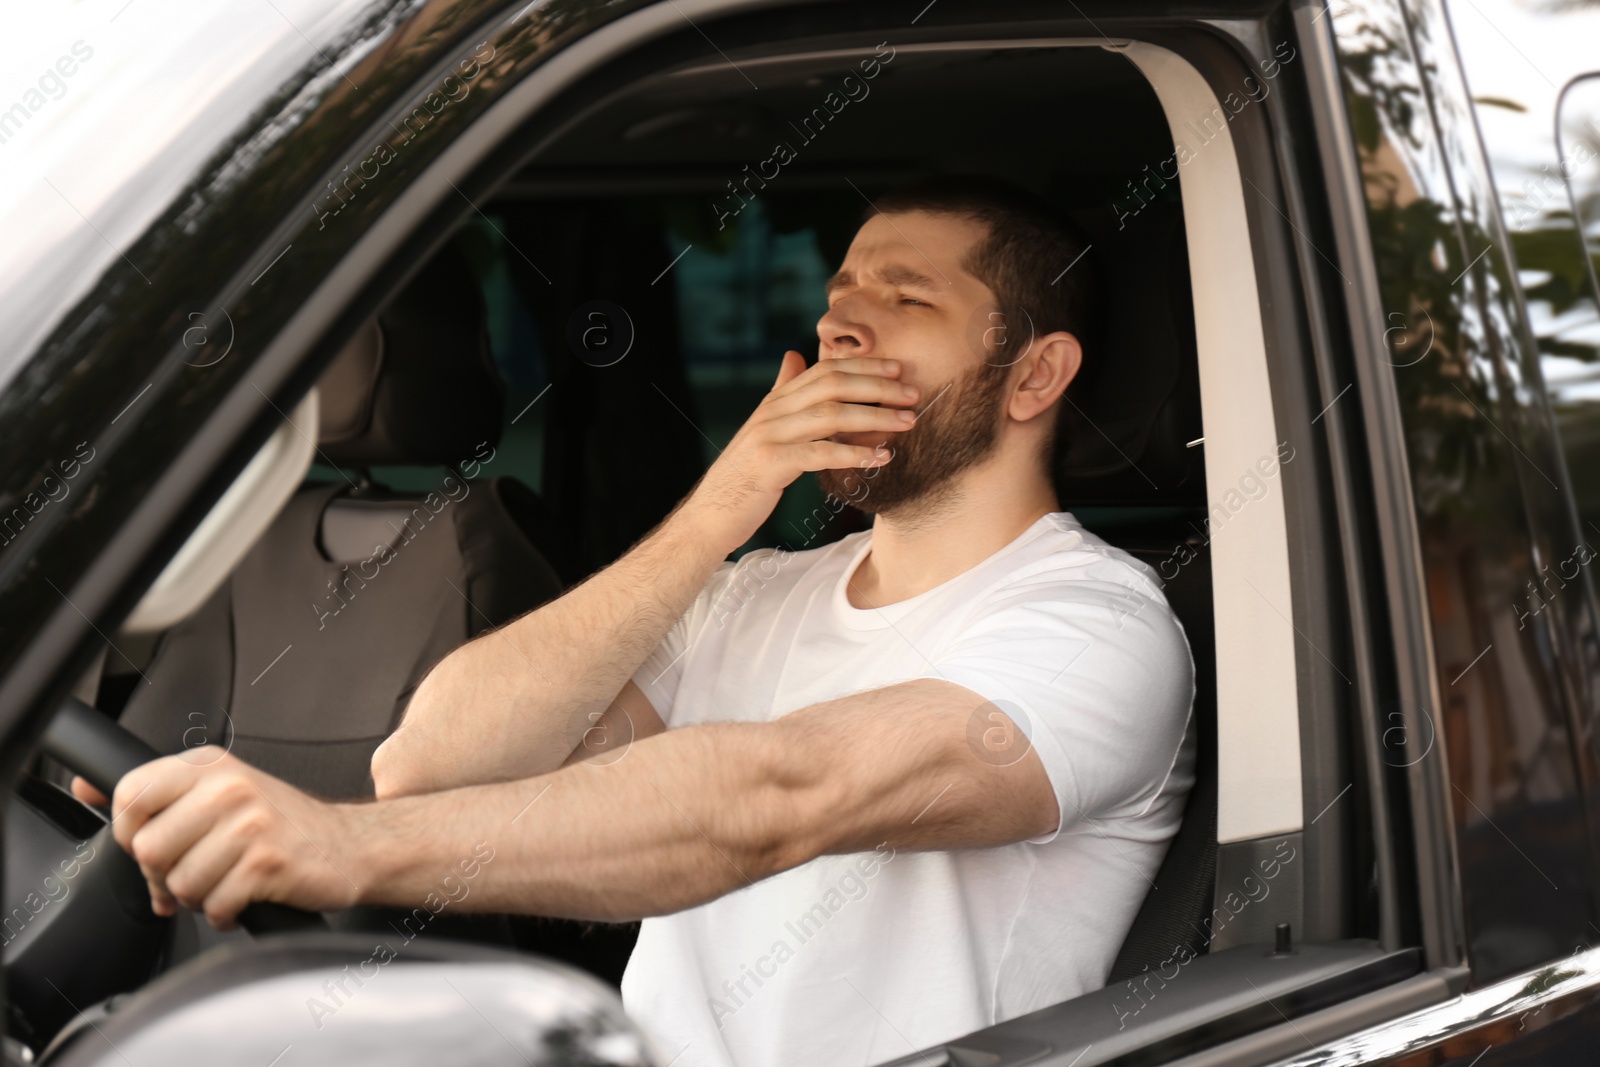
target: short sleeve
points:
(662, 670)
(1096, 673)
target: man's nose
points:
(842, 334)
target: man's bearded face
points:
(958, 428)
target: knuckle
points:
(254, 824)
(233, 789)
(145, 852)
(182, 888)
(265, 862)
(126, 794)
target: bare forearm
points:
(682, 818)
(515, 702)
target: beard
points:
(956, 430)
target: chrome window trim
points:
(1522, 996)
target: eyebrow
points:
(893, 274)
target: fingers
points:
(145, 791)
(203, 867)
(788, 434)
(206, 833)
(876, 394)
(161, 844)
(865, 378)
(166, 787)
(853, 395)
(793, 365)
(852, 388)
(88, 794)
(829, 417)
(830, 455)
(231, 895)
(161, 901)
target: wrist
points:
(700, 530)
(378, 857)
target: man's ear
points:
(1049, 367)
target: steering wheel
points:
(76, 895)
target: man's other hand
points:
(214, 834)
(788, 434)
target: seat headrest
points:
(416, 385)
(1125, 442)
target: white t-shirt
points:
(857, 959)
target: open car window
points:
(619, 315)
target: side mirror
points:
(347, 998)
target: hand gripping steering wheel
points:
(96, 748)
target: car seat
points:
(303, 661)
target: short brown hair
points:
(1033, 260)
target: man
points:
(867, 797)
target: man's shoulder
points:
(1061, 549)
(1067, 579)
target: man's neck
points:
(917, 549)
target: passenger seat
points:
(304, 659)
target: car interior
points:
(471, 461)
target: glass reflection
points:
(1483, 479)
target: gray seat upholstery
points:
(304, 659)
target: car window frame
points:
(419, 220)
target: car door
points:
(299, 222)
(1456, 321)
(1478, 274)
(326, 192)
